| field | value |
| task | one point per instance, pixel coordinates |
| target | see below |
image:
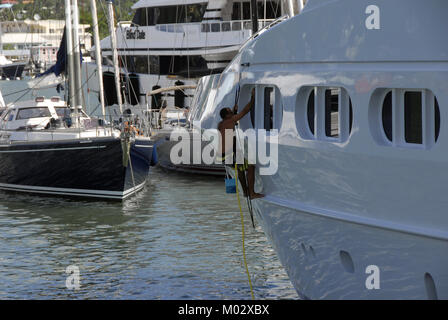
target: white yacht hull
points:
(360, 214)
(313, 248)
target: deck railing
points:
(130, 124)
(211, 26)
(235, 25)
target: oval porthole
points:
(347, 261)
(437, 119)
(416, 115)
(430, 286)
(312, 251)
(386, 116)
(330, 108)
(310, 112)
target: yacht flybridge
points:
(173, 42)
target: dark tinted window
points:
(387, 116)
(29, 113)
(62, 112)
(216, 27)
(437, 119)
(226, 26)
(178, 14)
(413, 117)
(205, 27)
(269, 102)
(332, 113)
(143, 17)
(246, 11)
(413, 125)
(236, 12)
(310, 112)
(241, 10)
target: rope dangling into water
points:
(243, 234)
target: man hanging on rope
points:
(228, 150)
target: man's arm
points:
(235, 108)
(246, 108)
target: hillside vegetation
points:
(54, 9)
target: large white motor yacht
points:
(173, 43)
(358, 90)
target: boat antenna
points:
(71, 64)
(113, 43)
(98, 56)
(77, 58)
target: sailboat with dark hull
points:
(12, 71)
(92, 168)
(50, 147)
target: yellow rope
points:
(242, 229)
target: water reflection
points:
(180, 238)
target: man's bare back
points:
(226, 129)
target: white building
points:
(17, 37)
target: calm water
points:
(180, 238)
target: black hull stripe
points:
(53, 149)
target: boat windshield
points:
(9, 115)
(62, 112)
(28, 113)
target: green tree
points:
(123, 12)
(55, 10)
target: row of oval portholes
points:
(430, 286)
(349, 266)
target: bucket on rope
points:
(230, 184)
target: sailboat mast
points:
(71, 66)
(2, 102)
(1, 36)
(98, 56)
(113, 44)
(77, 58)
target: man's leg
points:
(242, 179)
(251, 182)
